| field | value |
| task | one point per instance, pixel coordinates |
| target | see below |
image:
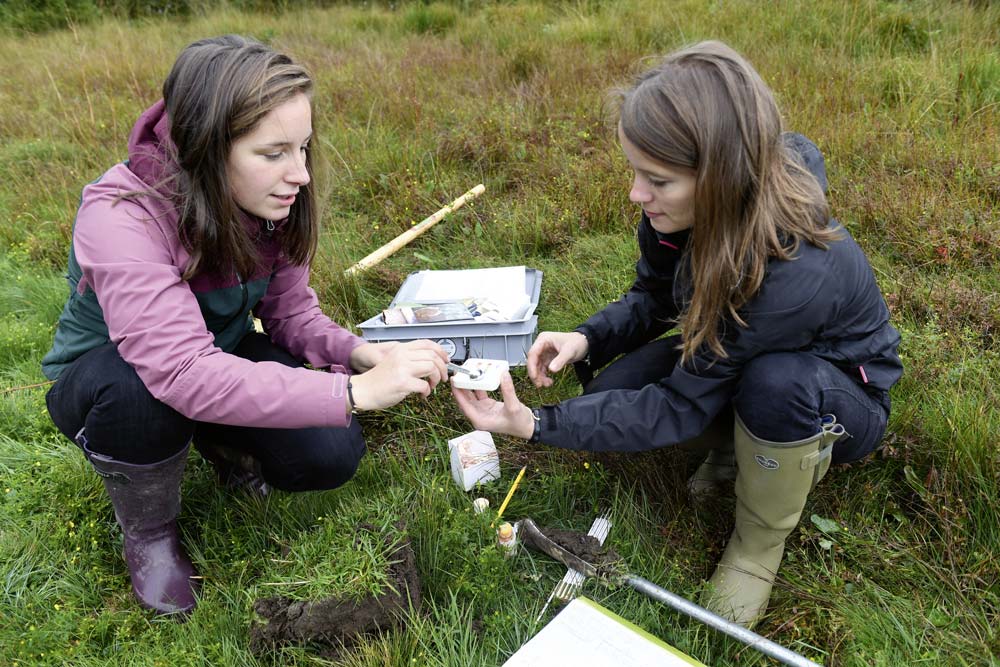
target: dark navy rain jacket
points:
(824, 302)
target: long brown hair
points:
(706, 108)
(218, 90)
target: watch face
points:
(454, 349)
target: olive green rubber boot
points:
(772, 483)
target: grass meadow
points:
(896, 560)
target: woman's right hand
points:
(408, 368)
(551, 352)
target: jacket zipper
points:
(243, 304)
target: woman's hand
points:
(368, 355)
(552, 351)
(405, 368)
(512, 417)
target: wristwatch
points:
(537, 433)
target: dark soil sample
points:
(582, 545)
(336, 623)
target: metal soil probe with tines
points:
(530, 535)
(569, 586)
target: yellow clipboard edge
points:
(635, 628)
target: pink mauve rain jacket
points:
(131, 259)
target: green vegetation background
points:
(896, 559)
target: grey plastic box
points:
(508, 340)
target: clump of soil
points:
(337, 623)
(583, 546)
(580, 546)
(579, 551)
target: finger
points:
(421, 387)
(430, 346)
(560, 360)
(432, 358)
(537, 346)
(442, 366)
(435, 375)
(412, 381)
(537, 364)
(468, 396)
(437, 350)
(534, 369)
(532, 361)
(462, 398)
(541, 375)
(537, 353)
(510, 399)
(427, 367)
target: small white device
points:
(480, 374)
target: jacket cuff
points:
(345, 362)
(339, 415)
(548, 427)
(584, 369)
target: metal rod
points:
(737, 632)
(455, 368)
(532, 536)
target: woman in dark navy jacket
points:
(785, 356)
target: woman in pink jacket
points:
(211, 221)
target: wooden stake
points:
(410, 234)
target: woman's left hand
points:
(511, 417)
(365, 356)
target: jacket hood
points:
(150, 146)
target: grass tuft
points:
(436, 18)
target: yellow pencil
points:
(513, 487)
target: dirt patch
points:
(334, 624)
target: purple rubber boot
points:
(147, 500)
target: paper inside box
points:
(473, 459)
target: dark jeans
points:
(102, 394)
(780, 397)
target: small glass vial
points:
(507, 538)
